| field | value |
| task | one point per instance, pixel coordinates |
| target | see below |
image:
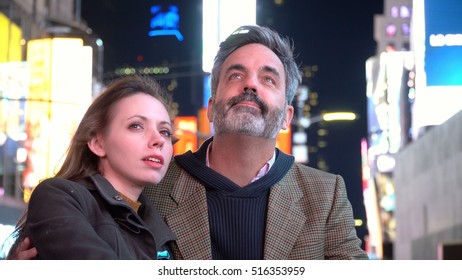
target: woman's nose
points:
(157, 140)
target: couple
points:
(237, 197)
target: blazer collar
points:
(283, 213)
(190, 221)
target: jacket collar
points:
(146, 216)
(190, 219)
(283, 213)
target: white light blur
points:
(385, 163)
(2, 138)
(219, 19)
(6, 239)
(300, 153)
(21, 155)
(299, 138)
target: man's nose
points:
(249, 89)
(251, 83)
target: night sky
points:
(336, 35)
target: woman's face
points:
(136, 149)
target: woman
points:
(94, 207)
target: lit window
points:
(394, 12)
(391, 30)
(405, 29)
(405, 12)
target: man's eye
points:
(235, 76)
(270, 80)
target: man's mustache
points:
(249, 95)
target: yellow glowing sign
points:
(60, 92)
(339, 116)
(10, 40)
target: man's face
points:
(250, 98)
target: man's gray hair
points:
(249, 34)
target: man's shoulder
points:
(306, 170)
(173, 172)
(310, 178)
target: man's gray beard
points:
(246, 121)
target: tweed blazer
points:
(309, 216)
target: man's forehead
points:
(254, 54)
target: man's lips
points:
(248, 103)
(248, 99)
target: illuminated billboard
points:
(165, 23)
(10, 40)
(60, 92)
(220, 18)
(443, 42)
(437, 44)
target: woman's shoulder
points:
(56, 181)
(58, 186)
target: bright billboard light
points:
(443, 42)
(437, 44)
(219, 19)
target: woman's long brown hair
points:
(80, 162)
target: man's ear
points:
(288, 118)
(96, 146)
(209, 110)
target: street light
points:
(300, 149)
(305, 122)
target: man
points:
(238, 196)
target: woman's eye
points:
(166, 133)
(135, 126)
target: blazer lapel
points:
(285, 221)
(189, 221)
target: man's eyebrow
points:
(272, 70)
(235, 67)
(265, 68)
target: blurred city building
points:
(413, 85)
(429, 195)
(48, 65)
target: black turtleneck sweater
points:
(237, 216)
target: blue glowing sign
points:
(443, 42)
(207, 91)
(165, 23)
